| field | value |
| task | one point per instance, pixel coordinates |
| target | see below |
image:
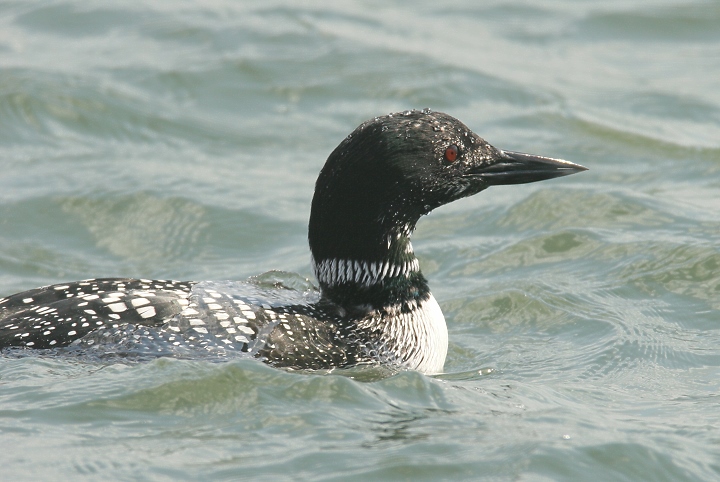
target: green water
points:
(182, 140)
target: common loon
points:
(374, 305)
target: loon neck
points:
(364, 282)
(363, 212)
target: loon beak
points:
(519, 168)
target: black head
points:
(393, 169)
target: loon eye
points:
(451, 153)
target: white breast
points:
(433, 338)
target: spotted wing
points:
(127, 317)
(282, 326)
(57, 315)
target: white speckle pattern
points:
(215, 318)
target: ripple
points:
(143, 227)
(666, 23)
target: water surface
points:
(182, 140)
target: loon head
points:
(392, 170)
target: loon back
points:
(374, 305)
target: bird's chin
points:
(471, 186)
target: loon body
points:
(373, 306)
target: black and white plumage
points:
(373, 306)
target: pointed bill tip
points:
(519, 168)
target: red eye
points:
(451, 153)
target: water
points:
(182, 140)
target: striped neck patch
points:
(333, 272)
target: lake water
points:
(182, 140)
